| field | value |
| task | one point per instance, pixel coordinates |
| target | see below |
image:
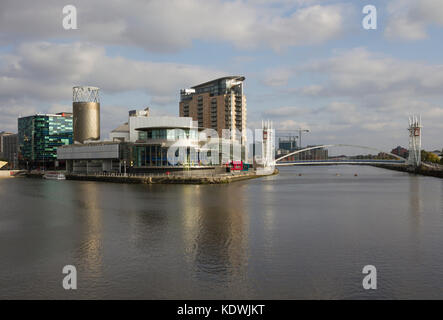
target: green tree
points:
(432, 157)
(424, 155)
(429, 157)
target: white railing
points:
(186, 174)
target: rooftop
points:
(239, 78)
(122, 128)
(60, 114)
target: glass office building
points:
(40, 135)
(151, 148)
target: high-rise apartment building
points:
(2, 135)
(10, 151)
(218, 104)
(40, 135)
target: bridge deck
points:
(333, 161)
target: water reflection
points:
(415, 203)
(89, 252)
(269, 215)
(190, 220)
(215, 236)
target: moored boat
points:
(54, 176)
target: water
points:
(279, 237)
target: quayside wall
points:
(425, 171)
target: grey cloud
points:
(410, 19)
(42, 73)
(47, 71)
(360, 73)
(171, 25)
(368, 98)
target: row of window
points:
(168, 134)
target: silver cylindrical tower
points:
(86, 113)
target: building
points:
(40, 135)
(95, 157)
(155, 135)
(3, 134)
(151, 144)
(121, 133)
(218, 104)
(10, 150)
(141, 144)
(313, 154)
(86, 113)
(401, 152)
(287, 144)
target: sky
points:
(308, 63)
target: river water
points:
(288, 236)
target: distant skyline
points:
(307, 63)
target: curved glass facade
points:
(168, 134)
(157, 156)
(153, 154)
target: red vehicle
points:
(236, 165)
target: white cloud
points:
(286, 112)
(410, 19)
(361, 73)
(277, 77)
(171, 25)
(47, 71)
(362, 97)
(41, 74)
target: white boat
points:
(264, 171)
(54, 176)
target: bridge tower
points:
(268, 145)
(267, 163)
(414, 141)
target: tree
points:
(424, 155)
(432, 157)
(429, 157)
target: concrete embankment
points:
(8, 173)
(165, 179)
(425, 171)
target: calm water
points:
(280, 237)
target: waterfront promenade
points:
(186, 177)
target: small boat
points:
(54, 176)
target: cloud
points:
(365, 97)
(41, 74)
(286, 112)
(47, 71)
(172, 25)
(410, 19)
(290, 124)
(361, 73)
(277, 77)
